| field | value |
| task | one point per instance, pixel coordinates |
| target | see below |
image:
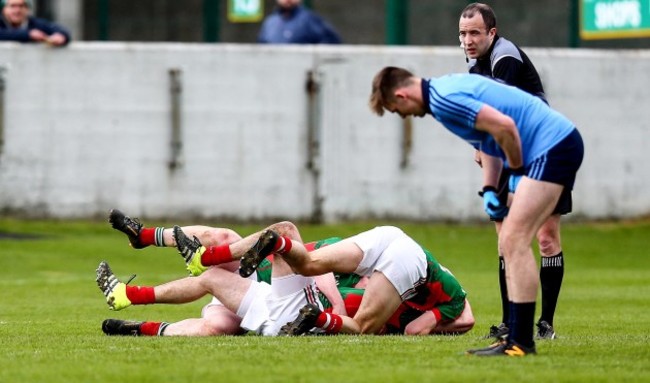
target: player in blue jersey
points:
(493, 56)
(541, 147)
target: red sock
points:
(148, 236)
(150, 328)
(216, 255)
(283, 246)
(329, 322)
(140, 295)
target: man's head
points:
(15, 12)
(476, 29)
(288, 4)
(397, 91)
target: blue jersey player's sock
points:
(522, 317)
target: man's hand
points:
(56, 39)
(492, 205)
(37, 35)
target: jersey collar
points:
(425, 96)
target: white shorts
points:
(389, 250)
(266, 308)
(217, 302)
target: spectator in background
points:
(17, 24)
(292, 23)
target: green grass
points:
(51, 311)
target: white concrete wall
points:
(88, 128)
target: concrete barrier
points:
(90, 127)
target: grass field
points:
(51, 311)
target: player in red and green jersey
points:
(396, 266)
(438, 307)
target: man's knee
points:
(220, 321)
(370, 327)
(548, 238)
(287, 229)
(219, 236)
(368, 322)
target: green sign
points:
(614, 19)
(245, 11)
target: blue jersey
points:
(455, 100)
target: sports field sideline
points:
(51, 311)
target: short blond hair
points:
(384, 85)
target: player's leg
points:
(531, 206)
(141, 236)
(216, 319)
(501, 330)
(289, 293)
(311, 316)
(380, 300)
(534, 201)
(120, 295)
(251, 249)
(338, 257)
(352, 255)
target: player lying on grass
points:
(399, 271)
(216, 319)
(400, 322)
(263, 308)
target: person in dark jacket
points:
(17, 24)
(292, 23)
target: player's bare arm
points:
(491, 168)
(504, 131)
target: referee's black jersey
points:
(507, 62)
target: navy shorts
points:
(559, 165)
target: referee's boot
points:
(256, 254)
(497, 332)
(544, 330)
(127, 225)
